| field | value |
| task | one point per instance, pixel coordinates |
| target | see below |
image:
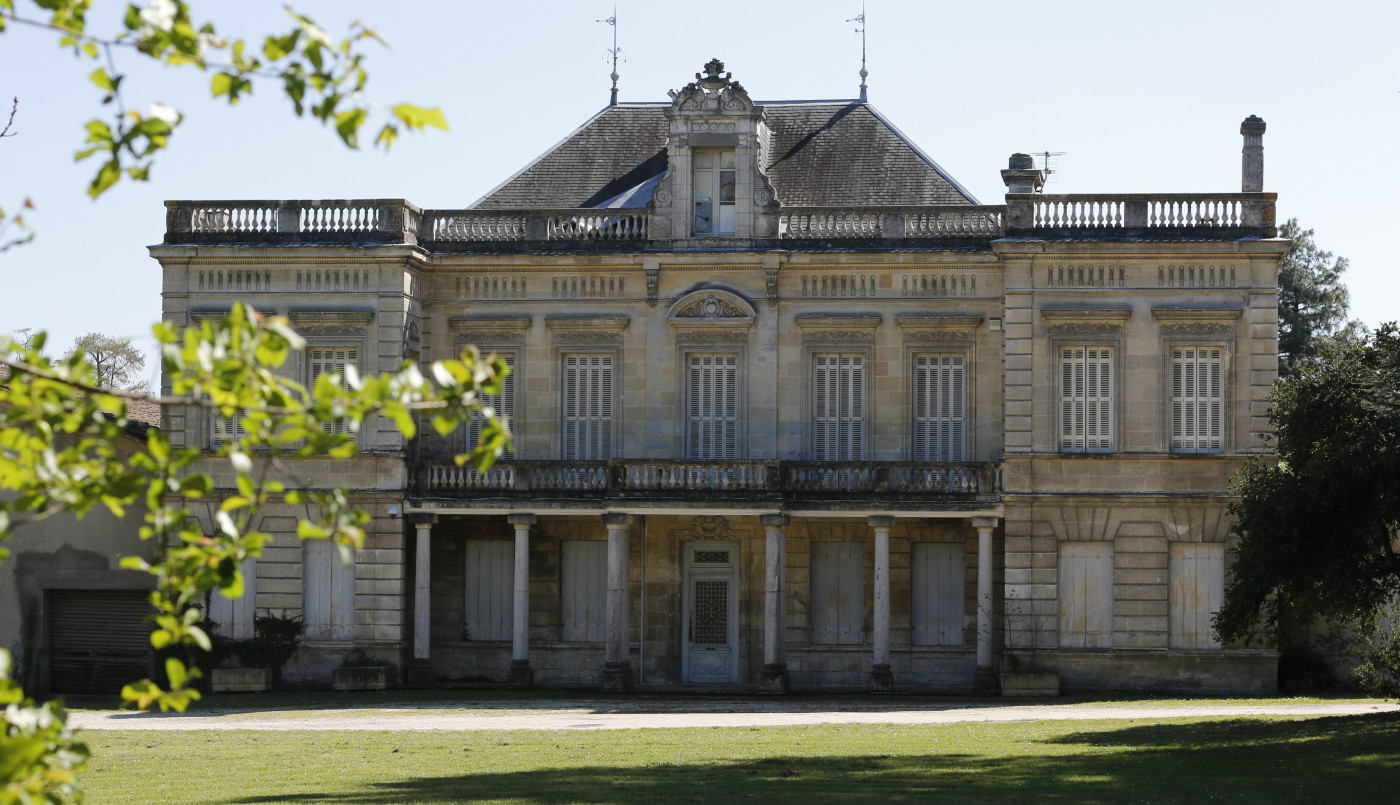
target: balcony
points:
(805, 484)
(1166, 216)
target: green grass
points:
(521, 702)
(1273, 760)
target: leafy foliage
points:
(1312, 300)
(59, 432)
(1318, 526)
(38, 754)
(116, 364)
(322, 76)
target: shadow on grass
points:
(1352, 758)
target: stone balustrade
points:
(755, 480)
(1026, 215)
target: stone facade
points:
(791, 410)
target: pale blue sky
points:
(1144, 97)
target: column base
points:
(774, 679)
(521, 677)
(984, 681)
(419, 674)
(617, 678)
(881, 679)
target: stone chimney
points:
(1021, 175)
(1252, 170)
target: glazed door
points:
(710, 646)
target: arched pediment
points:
(711, 306)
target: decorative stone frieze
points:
(1085, 321)
(1197, 321)
(330, 322)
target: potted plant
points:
(360, 671)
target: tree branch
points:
(5, 132)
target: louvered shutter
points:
(1197, 399)
(588, 407)
(503, 404)
(939, 420)
(331, 360)
(1086, 399)
(98, 640)
(227, 429)
(839, 407)
(712, 401)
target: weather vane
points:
(860, 20)
(614, 53)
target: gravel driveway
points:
(594, 715)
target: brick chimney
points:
(1252, 170)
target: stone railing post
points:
(892, 226)
(289, 219)
(537, 227)
(1134, 214)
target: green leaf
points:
(106, 177)
(347, 125)
(417, 118)
(387, 136)
(221, 84)
(102, 80)
(175, 671)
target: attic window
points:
(714, 191)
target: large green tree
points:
(1318, 524)
(1313, 301)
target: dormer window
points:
(714, 191)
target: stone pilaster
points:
(520, 674)
(775, 674)
(420, 671)
(617, 667)
(881, 678)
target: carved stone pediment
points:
(711, 307)
(712, 93)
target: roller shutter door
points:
(98, 640)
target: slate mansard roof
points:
(822, 154)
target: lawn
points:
(1269, 759)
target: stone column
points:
(420, 671)
(775, 675)
(520, 674)
(881, 679)
(617, 666)
(984, 679)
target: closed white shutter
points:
(937, 581)
(235, 615)
(329, 590)
(588, 407)
(940, 430)
(1197, 572)
(838, 593)
(838, 428)
(712, 407)
(583, 589)
(331, 360)
(490, 577)
(503, 404)
(1197, 400)
(1086, 399)
(1086, 595)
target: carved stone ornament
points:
(710, 526)
(330, 322)
(1198, 328)
(720, 335)
(480, 337)
(712, 93)
(927, 336)
(711, 307)
(839, 336)
(661, 195)
(653, 285)
(1086, 327)
(771, 288)
(587, 337)
(718, 125)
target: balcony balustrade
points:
(676, 480)
(1193, 216)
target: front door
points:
(710, 651)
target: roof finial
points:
(614, 53)
(861, 30)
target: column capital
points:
(881, 521)
(985, 522)
(616, 519)
(774, 520)
(522, 519)
(421, 518)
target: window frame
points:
(867, 417)
(514, 357)
(310, 381)
(714, 191)
(685, 353)
(968, 419)
(1112, 342)
(1226, 344)
(615, 412)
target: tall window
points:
(1197, 577)
(1086, 595)
(330, 360)
(712, 407)
(838, 410)
(838, 593)
(329, 587)
(937, 593)
(940, 432)
(583, 589)
(588, 407)
(1197, 400)
(503, 404)
(1086, 399)
(488, 613)
(714, 191)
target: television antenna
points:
(1049, 163)
(613, 53)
